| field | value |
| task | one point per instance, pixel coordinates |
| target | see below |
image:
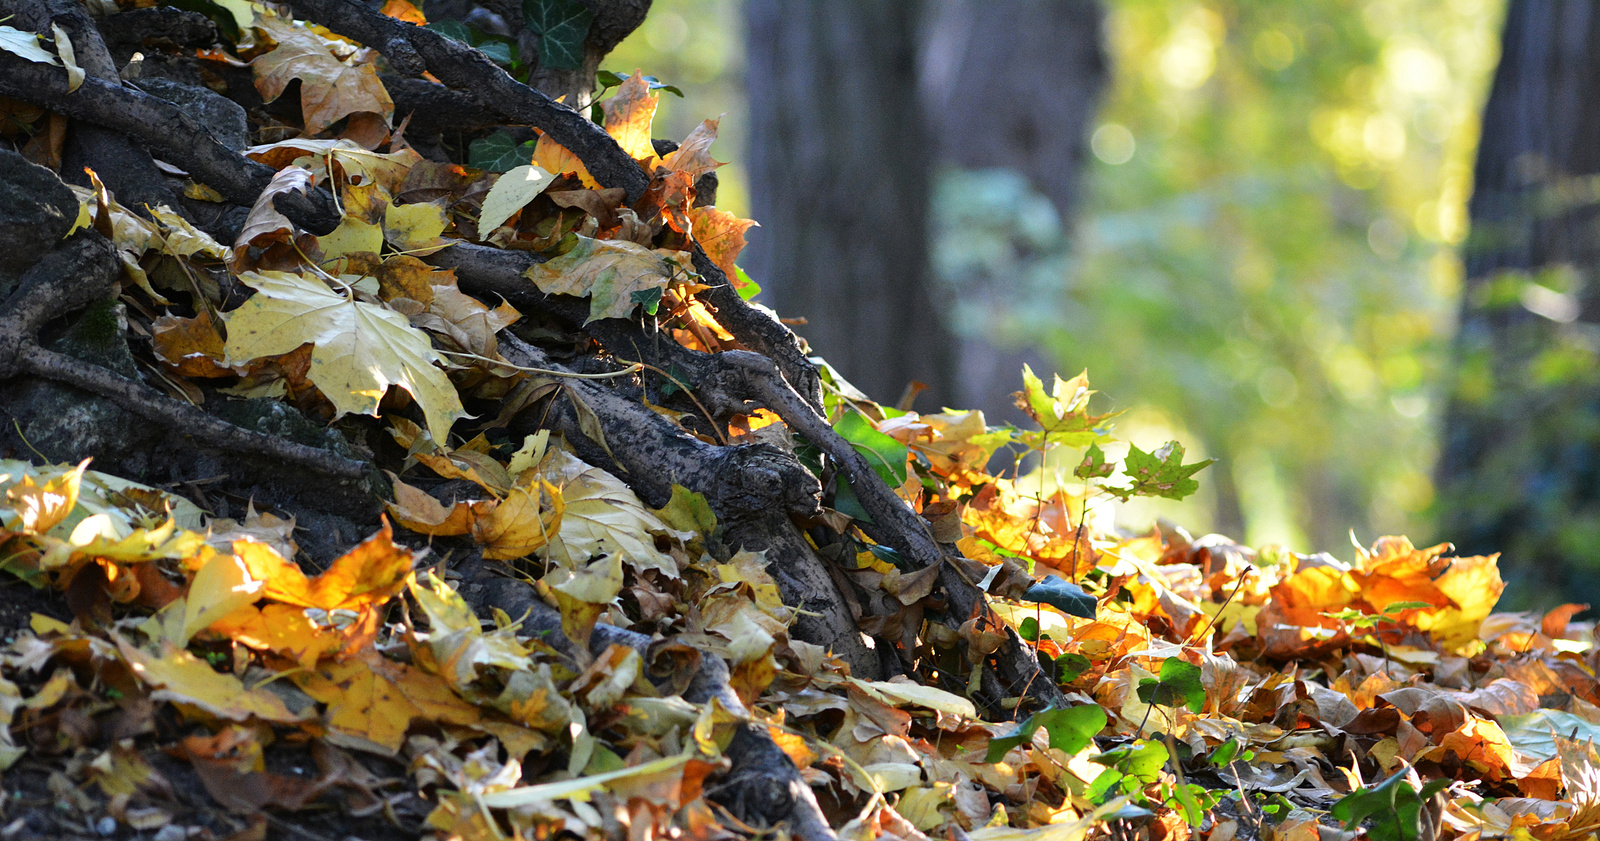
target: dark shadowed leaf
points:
(1062, 595)
(561, 26)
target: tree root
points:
(83, 269)
(161, 125)
(412, 49)
(762, 788)
(753, 489)
(738, 381)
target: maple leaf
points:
(179, 676)
(372, 700)
(39, 506)
(359, 349)
(692, 158)
(553, 157)
(507, 528)
(1160, 473)
(191, 347)
(616, 275)
(343, 161)
(265, 228)
(629, 114)
(721, 234)
(416, 228)
(330, 89)
(366, 576)
(601, 515)
(1063, 414)
(456, 639)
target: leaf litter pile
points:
(578, 617)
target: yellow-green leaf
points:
(359, 349)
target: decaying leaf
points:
(330, 88)
(616, 275)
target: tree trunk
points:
(839, 163)
(1520, 466)
(1010, 86)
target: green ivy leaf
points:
(498, 52)
(561, 26)
(650, 299)
(1392, 809)
(455, 30)
(1179, 685)
(499, 152)
(1069, 730)
(1161, 473)
(746, 287)
(609, 80)
(1062, 595)
(1070, 666)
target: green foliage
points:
(1069, 730)
(1178, 685)
(1390, 810)
(1161, 473)
(499, 152)
(1062, 595)
(1265, 257)
(561, 26)
(608, 79)
(1129, 769)
(886, 455)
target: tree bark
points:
(1520, 464)
(839, 160)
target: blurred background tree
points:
(1262, 259)
(1520, 467)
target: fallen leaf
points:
(616, 275)
(510, 194)
(721, 234)
(179, 676)
(629, 113)
(330, 89)
(359, 349)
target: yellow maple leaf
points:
(628, 117)
(721, 234)
(416, 228)
(359, 349)
(601, 515)
(39, 506)
(372, 700)
(183, 678)
(330, 89)
(553, 157)
(366, 576)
